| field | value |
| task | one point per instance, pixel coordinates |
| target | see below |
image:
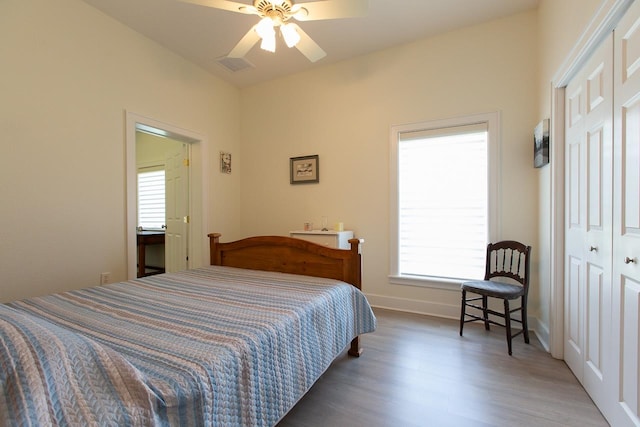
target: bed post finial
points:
(355, 349)
(356, 263)
(214, 240)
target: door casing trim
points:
(198, 203)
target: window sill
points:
(427, 282)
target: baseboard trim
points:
(542, 332)
(428, 308)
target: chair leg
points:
(485, 315)
(507, 323)
(525, 326)
(462, 310)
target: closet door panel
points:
(575, 169)
(626, 330)
(594, 322)
(595, 140)
(588, 155)
(599, 179)
(575, 229)
(629, 393)
(573, 353)
(626, 230)
(631, 168)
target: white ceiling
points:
(203, 34)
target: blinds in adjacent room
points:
(151, 198)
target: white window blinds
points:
(443, 202)
(151, 198)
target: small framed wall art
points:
(541, 144)
(225, 162)
(305, 169)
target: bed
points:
(236, 343)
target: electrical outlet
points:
(105, 278)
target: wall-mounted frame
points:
(304, 169)
(541, 144)
(225, 162)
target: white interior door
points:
(626, 230)
(177, 208)
(588, 156)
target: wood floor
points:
(417, 371)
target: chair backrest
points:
(509, 259)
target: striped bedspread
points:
(211, 346)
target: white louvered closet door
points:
(588, 211)
(626, 230)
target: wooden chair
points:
(509, 261)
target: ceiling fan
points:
(278, 13)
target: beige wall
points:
(68, 74)
(152, 149)
(344, 113)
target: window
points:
(151, 198)
(444, 198)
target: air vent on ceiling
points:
(234, 64)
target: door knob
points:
(628, 260)
(593, 249)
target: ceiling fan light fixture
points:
(267, 33)
(265, 28)
(269, 43)
(278, 13)
(290, 35)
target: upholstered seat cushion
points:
(494, 289)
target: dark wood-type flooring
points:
(417, 371)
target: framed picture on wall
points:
(305, 169)
(225, 162)
(541, 144)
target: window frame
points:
(492, 120)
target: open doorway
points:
(162, 211)
(172, 243)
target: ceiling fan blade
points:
(245, 44)
(225, 5)
(329, 9)
(308, 47)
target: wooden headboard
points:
(289, 255)
(296, 256)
